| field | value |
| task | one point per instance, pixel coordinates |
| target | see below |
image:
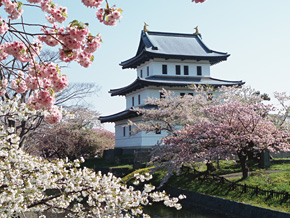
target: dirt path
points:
(233, 175)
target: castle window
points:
(190, 94)
(164, 69)
(124, 130)
(182, 94)
(139, 99)
(199, 70)
(147, 71)
(185, 70)
(177, 69)
(130, 129)
(132, 101)
(161, 95)
(141, 73)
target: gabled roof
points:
(172, 46)
(172, 81)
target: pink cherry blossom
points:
(3, 86)
(14, 9)
(85, 59)
(92, 44)
(19, 50)
(3, 54)
(33, 82)
(19, 85)
(46, 99)
(60, 83)
(54, 115)
(3, 26)
(51, 37)
(92, 3)
(109, 16)
(32, 101)
(56, 14)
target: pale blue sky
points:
(255, 32)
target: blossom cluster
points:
(25, 181)
(42, 80)
(16, 111)
(28, 181)
(59, 13)
(3, 26)
(56, 13)
(92, 3)
(109, 16)
(13, 8)
(76, 40)
(21, 51)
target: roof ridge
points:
(170, 34)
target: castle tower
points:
(172, 61)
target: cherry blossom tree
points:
(281, 118)
(25, 73)
(105, 140)
(230, 129)
(173, 112)
(202, 126)
(73, 137)
(29, 84)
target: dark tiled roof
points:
(172, 46)
(171, 81)
(126, 114)
(118, 116)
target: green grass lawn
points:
(97, 163)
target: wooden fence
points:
(240, 188)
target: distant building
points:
(163, 60)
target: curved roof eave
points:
(141, 83)
(118, 116)
(126, 114)
(146, 56)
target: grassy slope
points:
(277, 181)
(187, 180)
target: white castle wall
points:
(141, 139)
(155, 68)
(152, 92)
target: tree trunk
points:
(210, 167)
(244, 166)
